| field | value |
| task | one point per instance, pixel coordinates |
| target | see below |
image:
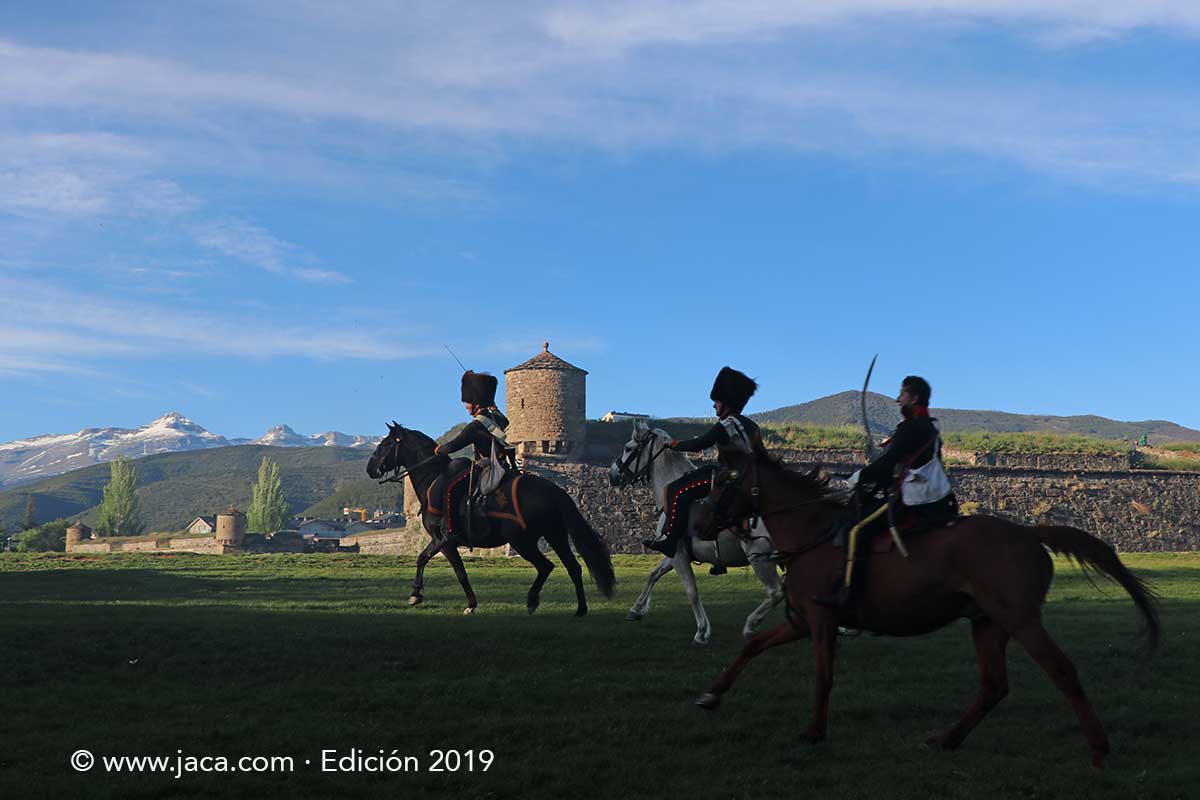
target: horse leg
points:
(416, 598)
(641, 606)
(767, 573)
(562, 549)
(528, 550)
(780, 634)
(1050, 657)
(460, 571)
(688, 578)
(990, 643)
(824, 634)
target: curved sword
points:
(863, 403)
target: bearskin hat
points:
(733, 388)
(479, 388)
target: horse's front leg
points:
(641, 606)
(824, 634)
(764, 567)
(780, 634)
(416, 598)
(460, 571)
(688, 578)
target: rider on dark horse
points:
(486, 432)
(909, 474)
(732, 434)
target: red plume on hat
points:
(479, 388)
(733, 388)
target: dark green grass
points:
(289, 655)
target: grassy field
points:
(290, 655)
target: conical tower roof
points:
(546, 360)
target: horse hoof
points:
(708, 701)
(531, 607)
(469, 610)
(698, 642)
(811, 736)
(748, 634)
(415, 600)
(632, 617)
(581, 612)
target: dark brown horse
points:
(548, 512)
(993, 572)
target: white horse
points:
(647, 457)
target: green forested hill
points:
(175, 488)
(841, 409)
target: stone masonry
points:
(546, 405)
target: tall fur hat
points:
(733, 388)
(479, 388)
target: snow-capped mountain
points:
(43, 456)
(283, 436)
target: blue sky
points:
(282, 215)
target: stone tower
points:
(545, 402)
(76, 534)
(231, 527)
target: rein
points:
(642, 473)
(402, 472)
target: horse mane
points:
(419, 438)
(812, 483)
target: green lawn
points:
(292, 654)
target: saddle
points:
(502, 503)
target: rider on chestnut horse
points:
(913, 464)
(732, 433)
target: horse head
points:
(402, 447)
(638, 455)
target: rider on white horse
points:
(733, 433)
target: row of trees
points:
(120, 512)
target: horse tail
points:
(1095, 555)
(591, 548)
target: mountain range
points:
(844, 408)
(28, 460)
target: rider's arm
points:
(716, 435)
(881, 470)
(468, 435)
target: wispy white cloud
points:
(255, 246)
(87, 329)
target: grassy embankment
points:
(293, 654)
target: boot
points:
(664, 545)
(718, 569)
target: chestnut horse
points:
(993, 572)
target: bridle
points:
(716, 500)
(631, 476)
(399, 472)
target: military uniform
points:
(484, 432)
(733, 435)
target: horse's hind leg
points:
(562, 549)
(780, 634)
(528, 550)
(990, 643)
(460, 571)
(1037, 642)
(641, 606)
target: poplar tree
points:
(120, 511)
(268, 511)
(29, 521)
